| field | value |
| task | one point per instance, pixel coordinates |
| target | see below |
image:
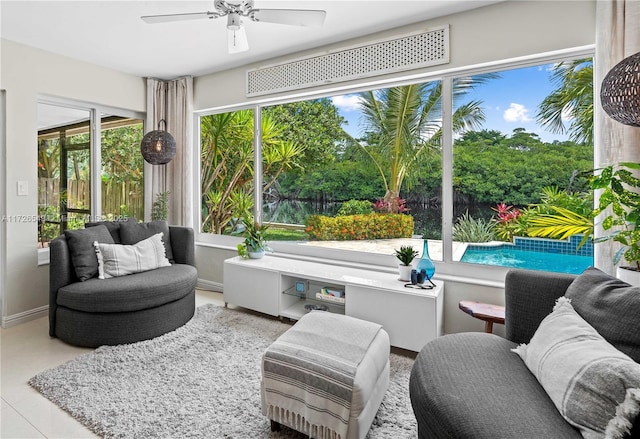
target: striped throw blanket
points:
(308, 373)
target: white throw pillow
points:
(118, 260)
(594, 386)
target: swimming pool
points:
(508, 256)
(561, 256)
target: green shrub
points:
(468, 229)
(357, 227)
(355, 207)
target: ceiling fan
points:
(234, 10)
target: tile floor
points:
(25, 350)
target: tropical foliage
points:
(620, 189)
(571, 100)
(491, 167)
(508, 222)
(228, 164)
(355, 207)
(561, 215)
(469, 229)
(403, 125)
(160, 206)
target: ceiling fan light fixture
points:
(234, 10)
(233, 21)
(237, 40)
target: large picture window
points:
(531, 154)
(364, 171)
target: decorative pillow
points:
(83, 255)
(118, 260)
(132, 233)
(611, 306)
(594, 386)
(112, 226)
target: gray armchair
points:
(470, 385)
(122, 309)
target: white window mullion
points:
(447, 168)
(96, 166)
(257, 164)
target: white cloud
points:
(516, 113)
(567, 115)
(346, 102)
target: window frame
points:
(447, 268)
(95, 114)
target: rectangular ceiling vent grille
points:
(408, 52)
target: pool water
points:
(507, 256)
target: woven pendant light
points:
(158, 147)
(620, 93)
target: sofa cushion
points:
(83, 254)
(471, 385)
(112, 226)
(132, 233)
(593, 385)
(130, 293)
(611, 306)
(119, 260)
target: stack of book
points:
(330, 295)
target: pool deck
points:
(387, 246)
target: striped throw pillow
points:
(593, 385)
(118, 260)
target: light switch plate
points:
(23, 188)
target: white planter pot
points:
(405, 272)
(631, 277)
(256, 254)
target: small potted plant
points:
(405, 255)
(619, 188)
(254, 244)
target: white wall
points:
(498, 32)
(25, 74)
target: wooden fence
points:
(126, 198)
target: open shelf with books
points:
(304, 295)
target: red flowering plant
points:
(508, 222)
(392, 205)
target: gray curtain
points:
(617, 36)
(173, 102)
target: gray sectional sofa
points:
(87, 311)
(471, 385)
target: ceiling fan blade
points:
(153, 19)
(237, 40)
(295, 17)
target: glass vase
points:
(426, 264)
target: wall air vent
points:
(412, 51)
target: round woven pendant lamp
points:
(620, 93)
(158, 147)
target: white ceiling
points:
(110, 33)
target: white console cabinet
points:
(411, 316)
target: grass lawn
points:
(274, 234)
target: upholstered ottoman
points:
(326, 376)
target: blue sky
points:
(509, 102)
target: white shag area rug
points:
(199, 381)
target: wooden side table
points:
(484, 311)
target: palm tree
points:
(227, 164)
(404, 123)
(572, 98)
